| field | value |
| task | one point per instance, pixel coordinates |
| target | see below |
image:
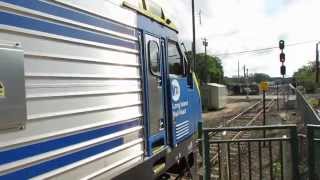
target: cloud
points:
(273, 7)
(236, 25)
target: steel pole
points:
(294, 153)
(205, 44)
(264, 112)
(277, 96)
(205, 56)
(205, 47)
(317, 63)
(194, 37)
(247, 83)
(264, 115)
(311, 159)
(283, 93)
(238, 71)
(206, 156)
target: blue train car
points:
(94, 89)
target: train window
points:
(154, 58)
(175, 59)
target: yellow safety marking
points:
(264, 86)
(194, 77)
(147, 13)
(157, 149)
(158, 168)
(2, 90)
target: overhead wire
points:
(262, 50)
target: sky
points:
(238, 25)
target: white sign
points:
(175, 90)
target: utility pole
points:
(317, 63)
(205, 44)
(194, 37)
(238, 71)
(200, 20)
(277, 96)
(247, 83)
(244, 72)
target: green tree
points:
(209, 69)
(305, 76)
(258, 77)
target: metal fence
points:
(311, 122)
(277, 156)
(314, 151)
(306, 111)
(251, 157)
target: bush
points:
(310, 86)
(305, 77)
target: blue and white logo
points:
(175, 90)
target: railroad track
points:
(233, 153)
(248, 117)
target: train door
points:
(182, 120)
(155, 78)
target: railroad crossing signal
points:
(283, 70)
(281, 44)
(282, 58)
(264, 86)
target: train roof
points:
(152, 10)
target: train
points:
(244, 89)
(94, 90)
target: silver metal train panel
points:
(77, 90)
(110, 9)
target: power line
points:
(264, 49)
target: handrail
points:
(250, 140)
(313, 125)
(245, 128)
(308, 114)
(222, 149)
(305, 101)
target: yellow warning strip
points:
(150, 15)
(194, 77)
(158, 168)
(157, 149)
(2, 90)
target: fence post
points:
(200, 127)
(206, 156)
(277, 96)
(288, 95)
(310, 152)
(264, 87)
(294, 153)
